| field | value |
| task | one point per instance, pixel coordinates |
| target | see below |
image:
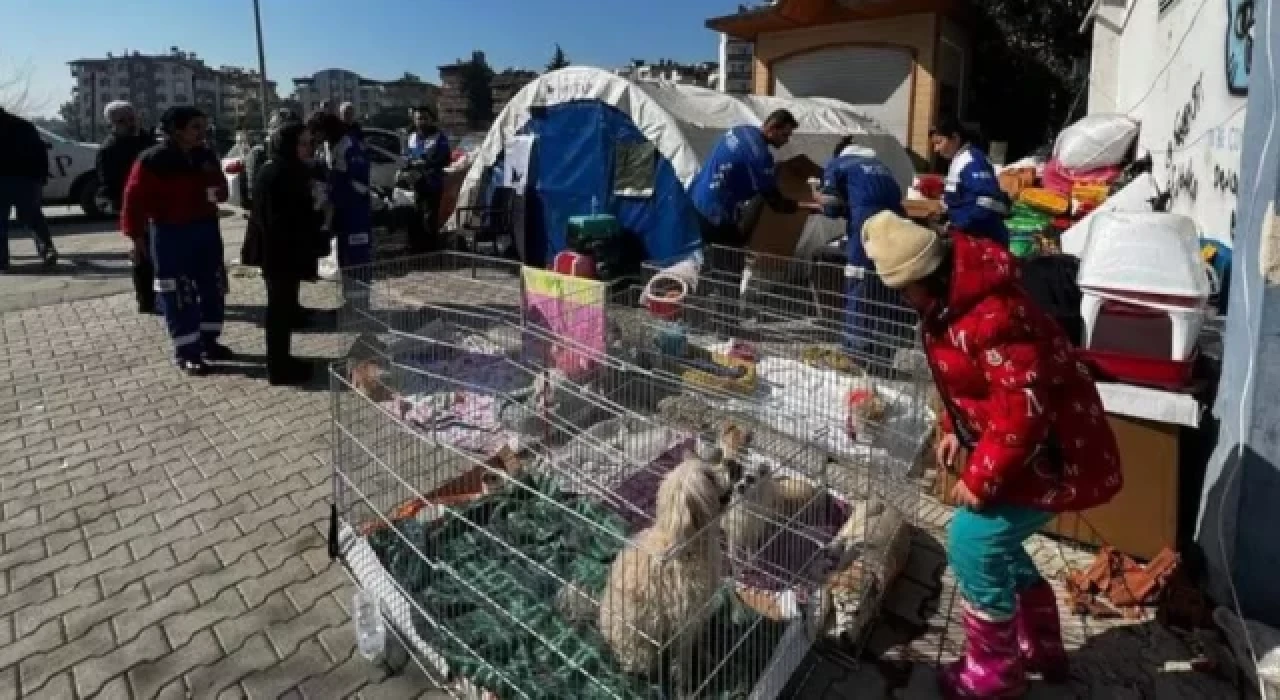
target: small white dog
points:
(661, 585)
(760, 499)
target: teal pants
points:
(986, 554)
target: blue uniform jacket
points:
(433, 151)
(739, 168)
(865, 187)
(975, 202)
(349, 186)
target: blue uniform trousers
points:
(191, 284)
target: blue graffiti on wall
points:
(1239, 58)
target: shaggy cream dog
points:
(660, 586)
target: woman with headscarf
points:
(284, 240)
(1027, 412)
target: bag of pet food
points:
(1096, 141)
(1061, 179)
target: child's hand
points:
(946, 451)
(962, 496)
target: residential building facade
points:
(737, 65)
(453, 99)
(338, 85)
(155, 82)
(705, 74)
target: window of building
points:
(179, 86)
(180, 99)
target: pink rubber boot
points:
(991, 666)
(1040, 633)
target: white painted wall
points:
(1169, 68)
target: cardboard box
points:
(1143, 518)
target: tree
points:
(15, 90)
(75, 125)
(558, 61)
(1028, 57)
(477, 87)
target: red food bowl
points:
(664, 296)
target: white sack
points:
(1097, 141)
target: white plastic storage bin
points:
(1150, 253)
(1148, 263)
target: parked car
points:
(73, 175)
(385, 147)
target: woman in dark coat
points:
(285, 241)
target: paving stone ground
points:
(164, 537)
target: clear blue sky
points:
(377, 38)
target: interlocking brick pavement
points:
(165, 536)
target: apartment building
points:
(453, 100)
(155, 82)
(704, 74)
(369, 96)
(737, 65)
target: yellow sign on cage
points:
(569, 308)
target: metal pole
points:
(262, 64)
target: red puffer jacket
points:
(1039, 437)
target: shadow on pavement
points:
(255, 367)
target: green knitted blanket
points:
(494, 599)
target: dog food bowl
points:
(664, 296)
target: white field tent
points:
(580, 125)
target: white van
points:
(73, 175)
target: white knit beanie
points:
(902, 250)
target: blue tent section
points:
(573, 163)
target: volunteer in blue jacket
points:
(857, 186)
(428, 153)
(348, 167)
(975, 203)
(739, 168)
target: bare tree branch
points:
(15, 90)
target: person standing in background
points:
(348, 179)
(258, 155)
(24, 169)
(739, 168)
(975, 203)
(856, 185)
(171, 205)
(284, 239)
(115, 159)
(428, 153)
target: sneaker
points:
(218, 352)
(193, 368)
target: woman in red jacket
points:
(1028, 413)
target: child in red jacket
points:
(1018, 399)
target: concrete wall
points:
(1239, 518)
(917, 33)
(1181, 71)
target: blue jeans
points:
(24, 195)
(984, 549)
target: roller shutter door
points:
(876, 80)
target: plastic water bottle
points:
(371, 635)
(595, 205)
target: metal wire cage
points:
(545, 510)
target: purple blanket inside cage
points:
(783, 551)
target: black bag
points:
(1050, 280)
